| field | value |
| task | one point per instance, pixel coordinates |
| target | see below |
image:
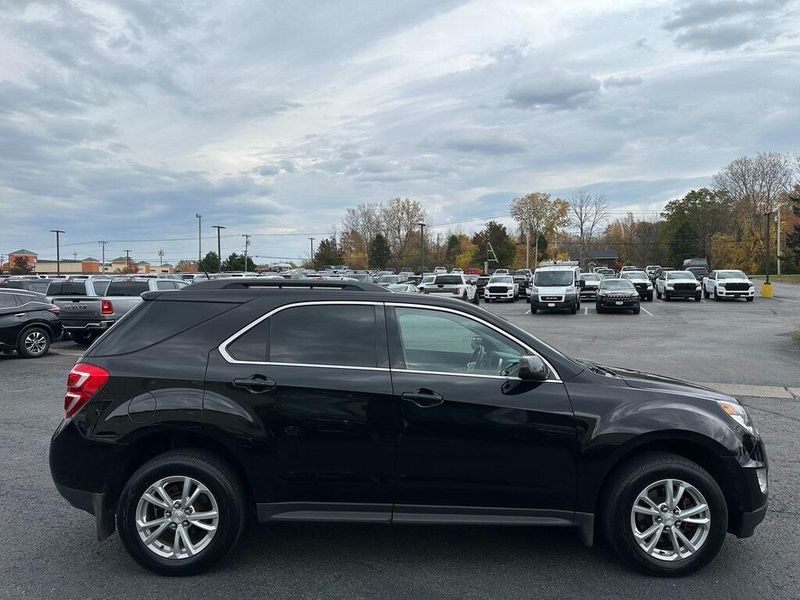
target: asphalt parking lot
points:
(49, 549)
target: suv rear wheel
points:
(34, 342)
(181, 512)
(665, 514)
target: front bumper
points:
(545, 301)
(723, 293)
(507, 295)
(683, 293)
(588, 292)
(617, 304)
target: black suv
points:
(28, 323)
(338, 401)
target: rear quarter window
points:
(153, 322)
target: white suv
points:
(728, 284)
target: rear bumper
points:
(91, 325)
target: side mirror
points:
(532, 368)
(581, 283)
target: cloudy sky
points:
(120, 120)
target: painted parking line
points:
(585, 310)
(647, 311)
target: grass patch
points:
(796, 336)
(795, 279)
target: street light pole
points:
(199, 238)
(246, 237)
(312, 252)
(421, 247)
(103, 257)
(58, 233)
(219, 246)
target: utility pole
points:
(312, 252)
(58, 233)
(219, 245)
(128, 260)
(246, 237)
(528, 248)
(103, 257)
(161, 257)
(199, 238)
(778, 253)
(766, 289)
(421, 247)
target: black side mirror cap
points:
(532, 368)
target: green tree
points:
(691, 221)
(379, 252)
(235, 262)
(210, 263)
(496, 234)
(327, 253)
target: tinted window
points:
(100, 286)
(449, 279)
(165, 285)
(66, 288)
(126, 288)
(38, 286)
(7, 300)
(324, 335)
(616, 284)
(441, 341)
(555, 278)
(153, 322)
(251, 345)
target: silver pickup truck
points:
(97, 304)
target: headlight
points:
(649, 286)
(721, 285)
(534, 289)
(737, 412)
(669, 285)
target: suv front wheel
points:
(181, 512)
(665, 514)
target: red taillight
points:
(106, 308)
(83, 382)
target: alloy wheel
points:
(35, 342)
(177, 517)
(670, 520)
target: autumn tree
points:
(536, 213)
(20, 266)
(755, 183)
(399, 221)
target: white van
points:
(556, 287)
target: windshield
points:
(616, 284)
(731, 275)
(384, 279)
(482, 280)
(679, 275)
(552, 278)
(501, 279)
(634, 275)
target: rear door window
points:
(7, 300)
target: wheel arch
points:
(34, 323)
(705, 452)
(149, 446)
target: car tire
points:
(476, 299)
(222, 489)
(666, 297)
(750, 299)
(716, 296)
(82, 337)
(651, 472)
(34, 342)
(574, 308)
(637, 310)
(533, 310)
(598, 309)
(658, 294)
(706, 295)
(697, 298)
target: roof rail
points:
(260, 282)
